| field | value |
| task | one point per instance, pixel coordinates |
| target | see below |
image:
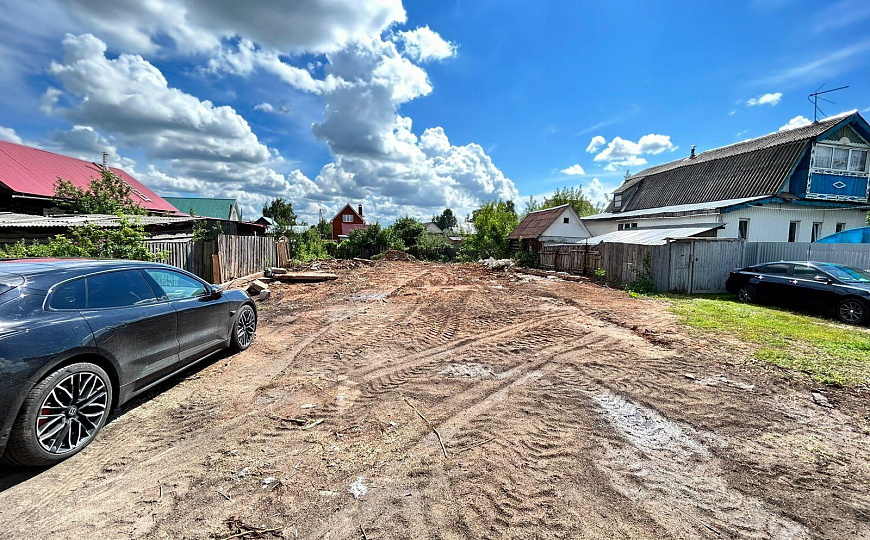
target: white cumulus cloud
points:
(304, 26)
(423, 45)
(574, 170)
(595, 144)
(765, 99)
(796, 122)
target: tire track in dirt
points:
(664, 469)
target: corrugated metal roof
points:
(676, 209)
(204, 207)
(32, 171)
(534, 224)
(746, 169)
(649, 237)
(25, 221)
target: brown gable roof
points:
(536, 223)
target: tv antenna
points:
(816, 96)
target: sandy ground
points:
(566, 410)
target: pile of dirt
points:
(396, 255)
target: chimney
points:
(360, 210)
(693, 152)
(105, 161)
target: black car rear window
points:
(776, 269)
(70, 295)
(118, 289)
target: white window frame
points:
(347, 218)
(849, 149)
(840, 227)
(617, 200)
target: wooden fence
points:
(686, 266)
(219, 260)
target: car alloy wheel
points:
(72, 413)
(746, 294)
(851, 311)
(246, 327)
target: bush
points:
(525, 256)
(307, 246)
(493, 222)
(643, 283)
(124, 242)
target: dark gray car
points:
(81, 337)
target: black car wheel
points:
(747, 294)
(60, 416)
(852, 311)
(244, 328)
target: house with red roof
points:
(28, 176)
(346, 220)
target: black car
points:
(817, 285)
(79, 338)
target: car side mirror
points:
(217, 291)
(822, 279)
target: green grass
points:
(829, 352)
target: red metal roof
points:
(31, 171)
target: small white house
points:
(558, 225)
(790, 186)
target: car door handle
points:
(793, 281)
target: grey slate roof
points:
(746, 169)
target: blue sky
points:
(410, 107)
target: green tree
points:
(573, 196)
(446, 220)
(407, 229)
(493, 222)
(324, 228)
(127, 241)
(281, 212)
(108, 194)
(373, 237)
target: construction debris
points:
(305, 277)
(821, 400)
(497, 264)
(256, 287)
(358, 488)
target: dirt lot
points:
(566, 410)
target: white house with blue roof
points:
(797, 185)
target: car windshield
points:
(846, 274)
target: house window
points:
(840, 159)
(817, 231)
(566, 220)
(620, 226)
(743, 229)
(617, 200)
(634, 225)
(841, 227)
(347, 218)
(793, 230)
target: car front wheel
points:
(852, 311)
(60, 416)
(244, 328)
(747, 294)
